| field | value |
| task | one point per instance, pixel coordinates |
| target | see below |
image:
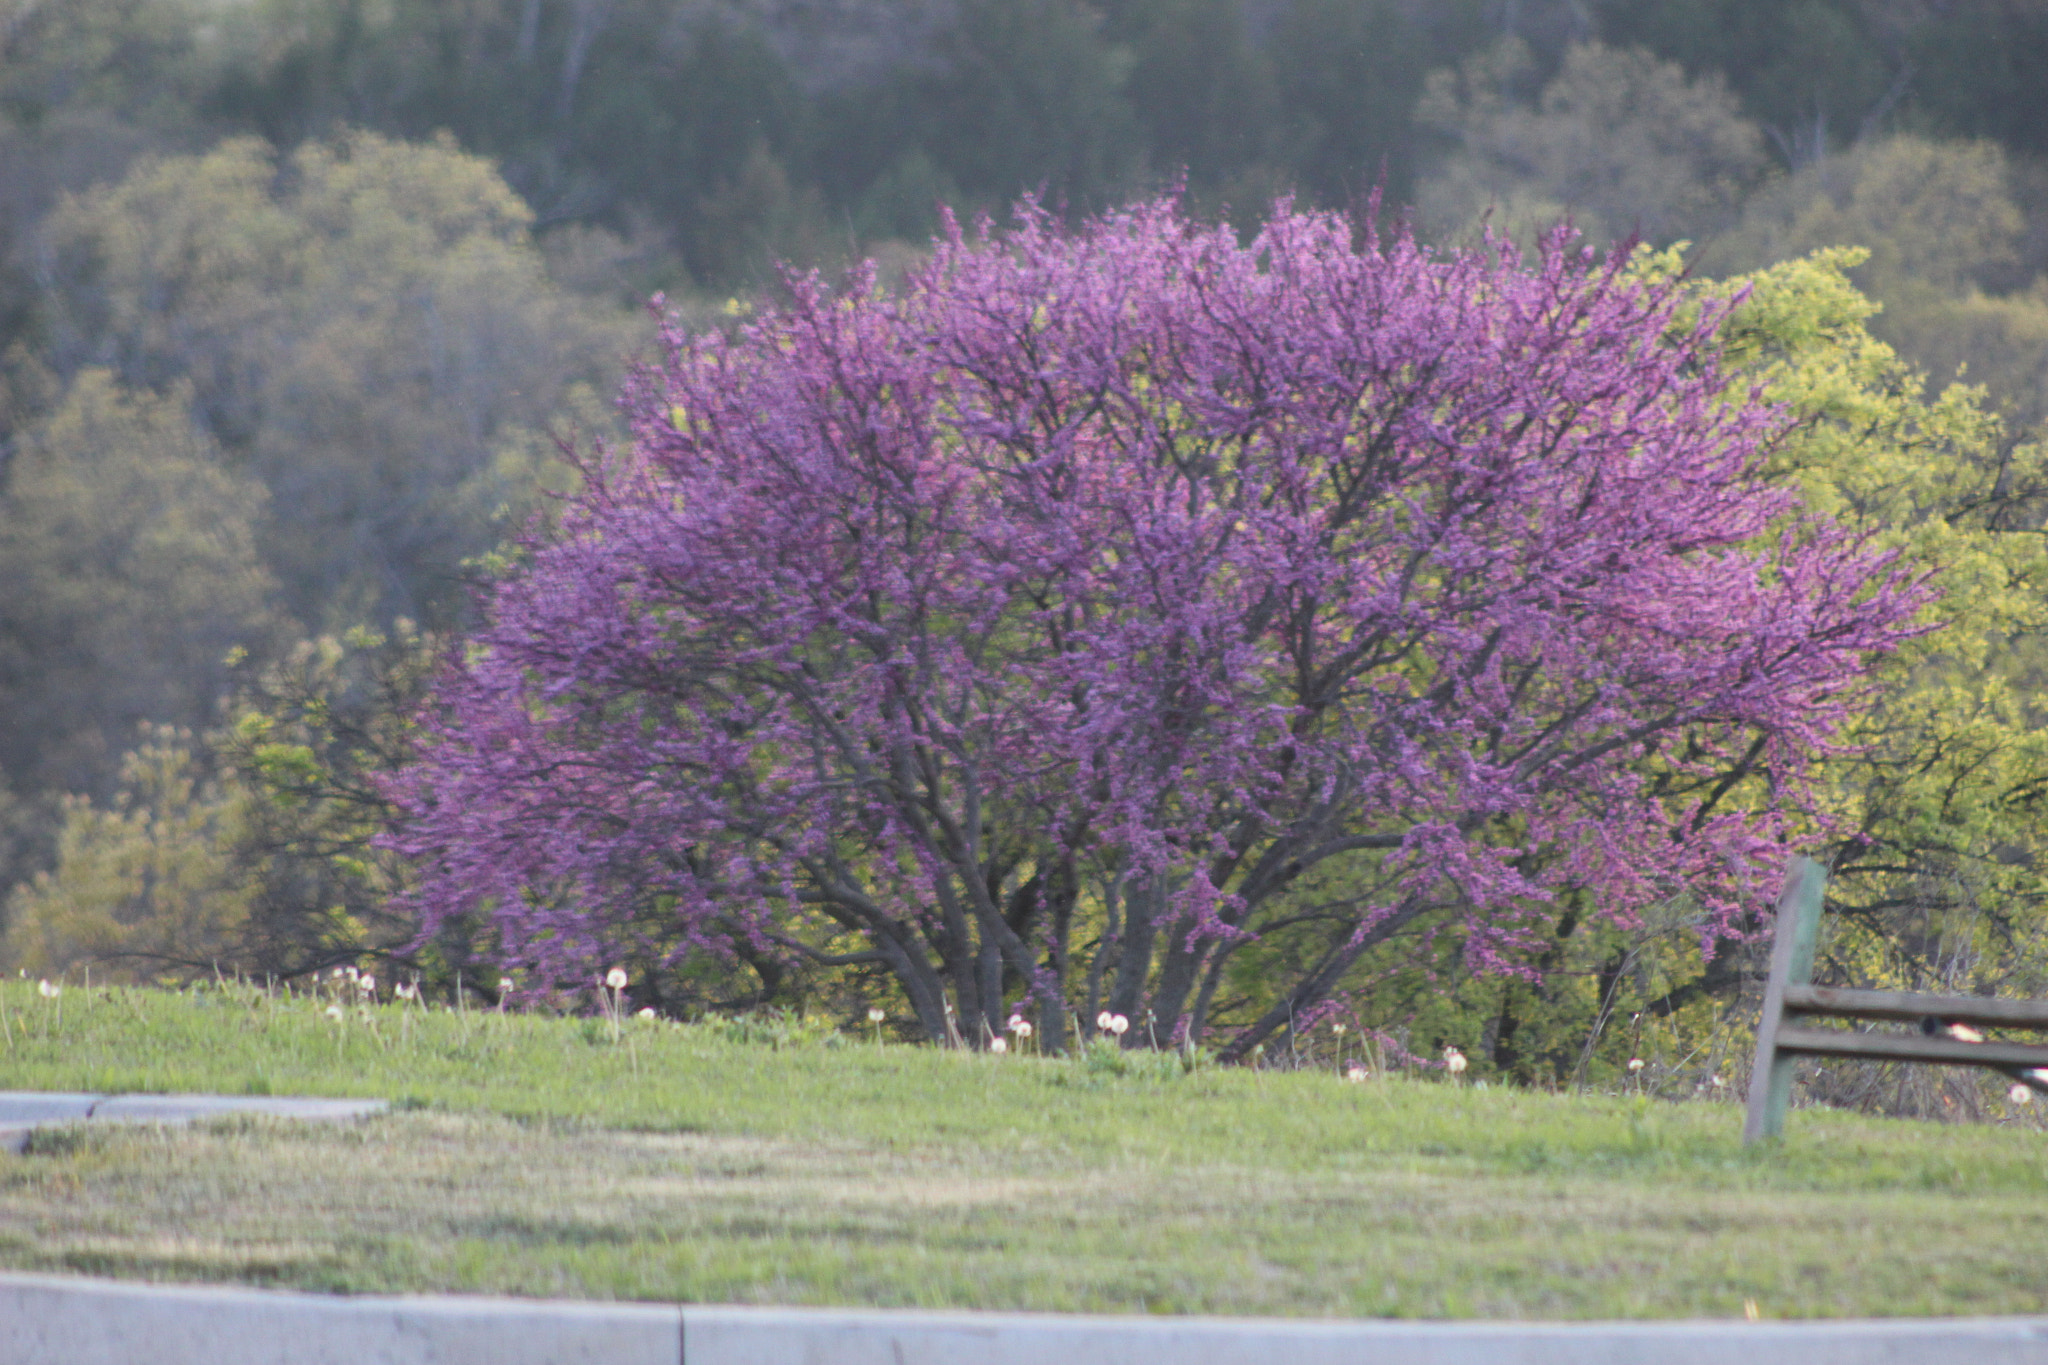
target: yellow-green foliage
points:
(147, 888)
(1951, 884)
(249, 850)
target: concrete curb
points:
(53, 1320)
(50, 1320)
(24, 1111)
(754, 1336)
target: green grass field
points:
(722, 1163)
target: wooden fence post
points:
(1798, 930)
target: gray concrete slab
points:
(185, 1108)
(52, 1320)
(782, 1336)
(24, 1111)
(44, 1106)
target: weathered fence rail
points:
(1791, 995)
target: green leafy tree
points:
(138, 60)
(1981, 70)
(131, 557)
(86, 86)
(144, 888)
(1943, 237)
(759, 219)
(249, 849)
(1942, 838)
(1940, 215)
(1623, 144)
(363, 324)
(1348, 74)
(1023, 95)
(1817, 73)
(1205, 94)
(309, 739)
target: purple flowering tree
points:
(1036, 631)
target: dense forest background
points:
(299, 300)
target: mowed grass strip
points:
(536, 1156)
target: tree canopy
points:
(364, 325)
(1035, 631)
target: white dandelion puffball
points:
(1635, 1064)
(1117, 1024)
(334, 1013)
(875, 1015)
(998, 1046)
(1102, 1019)
(1454, 1061)
(1022, 1028)
(48, 989)
(1355, 1073)
(1337, 1029)
(504, 985)
(616, 978)
(2020, 1094)
(646, 1012)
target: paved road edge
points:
(60, 1320)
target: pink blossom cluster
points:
(1041, 629)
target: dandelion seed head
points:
(1635, 1064)
(1355, 1073)
(1118, 1024)
(998, 1046)
(616, 978)
(1454, 1061)
(48, 989)
(875, 1015)
(2020, 1094)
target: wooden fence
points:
(1947, 1025)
